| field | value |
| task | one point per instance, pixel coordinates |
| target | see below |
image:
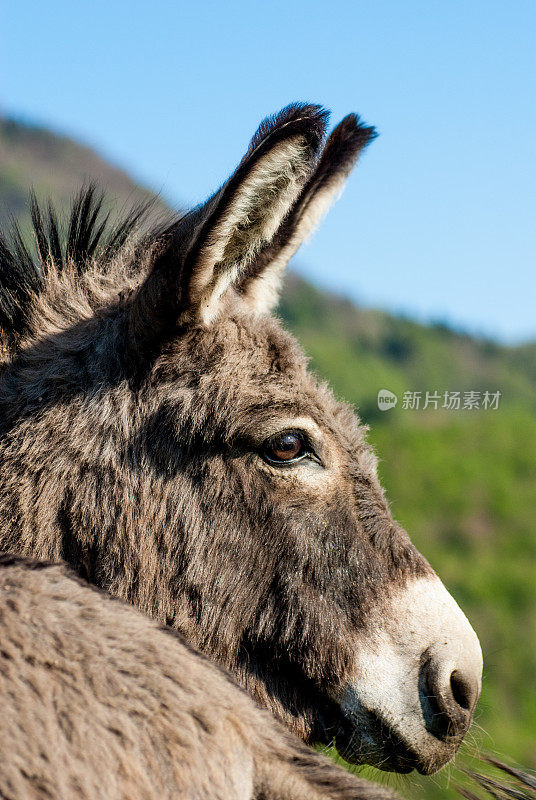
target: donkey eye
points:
(285, 447)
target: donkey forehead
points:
(249, 365)
(251, 347)
(248, 358)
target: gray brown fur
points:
(135, 398)
(99, 702)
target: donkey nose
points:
(449, 694)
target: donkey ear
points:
(208, 250)
(261, 283)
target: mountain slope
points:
(54, 166)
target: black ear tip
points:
(296, 119)
(313, 112)
(354, 129)
(309, 119)
(315, 121)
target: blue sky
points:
(438, 221)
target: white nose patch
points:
(420, 621)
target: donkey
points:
(161, 433)
(99, 702)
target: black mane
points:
(86, 235)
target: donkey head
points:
(163, 434)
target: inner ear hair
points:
(261, 281)
(251, 206)
(249, 221)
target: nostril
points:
(448, 697)
(462, 690)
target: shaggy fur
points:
(99, 702)
(136, 399)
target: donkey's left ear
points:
(208, 251)
(261, 282)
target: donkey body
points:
(160, 431)
(99, 702)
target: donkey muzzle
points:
(417, 680)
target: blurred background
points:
(422, 278)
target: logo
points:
(386, 400)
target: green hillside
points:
(463, 482)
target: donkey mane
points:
(85, 243)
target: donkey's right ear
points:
(209, 249)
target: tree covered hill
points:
(365, 350)
(462, 481)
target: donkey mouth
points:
(371, 741)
